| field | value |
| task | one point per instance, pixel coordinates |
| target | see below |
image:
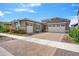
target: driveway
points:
(49, 36)
(25, 48)
(33, 46)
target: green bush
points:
(74, 33)
(1, 28)
(4, 28)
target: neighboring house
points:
(77, 24)
(57, 25)
(5, 23)
(27, 25)
(74, 25)
(1, 23)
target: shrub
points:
(18, 31)
(13, 31)
(1, 28)
(74, 33)
(21, 31)
(5, 28)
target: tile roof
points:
(56, 20)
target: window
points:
(58, 25)
(62, 25)
(37, 26)
(53, 25)
(49, 25)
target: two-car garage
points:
(56, 27)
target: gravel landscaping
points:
(68, 39)
(61, 52)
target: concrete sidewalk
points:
(61, 45)
(4, 52)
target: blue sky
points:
(38, 11)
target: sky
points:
(38, 11)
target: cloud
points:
(34, 4)
(27, 7)
(30, 5)
(1, 13)
(24, 10)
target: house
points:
(27, 25)
(57, 25)
(50, 25)
(5, 23)
(77, 24)
(74, 25)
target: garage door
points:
(56, 29)
(29, 29)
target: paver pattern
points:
(24, 48)
(50, 36)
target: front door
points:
(29, 29)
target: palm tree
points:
(14, 20)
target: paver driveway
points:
(50, 36)
(33, 46)
(25, 48)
